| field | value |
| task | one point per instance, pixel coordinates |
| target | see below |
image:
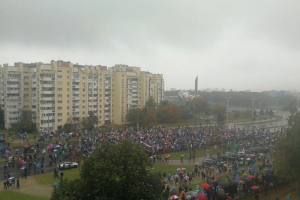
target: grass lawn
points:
(170, 168)
(48, 179)
(199, 153)
(10, 195)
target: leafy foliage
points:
(198, 104)
(169, 114)
(185, 113)
(220, 109)
(292, 105)
(287, 156)
(114, 172)
(2, 121)
(87, 124)
(152, 117)
(25, 124)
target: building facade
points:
(61, 92)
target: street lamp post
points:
(227, 98)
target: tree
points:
(150, 103)
(220, 109)
(271, 112)
(68, 127)
(185, 113)
(261, 112)
(2, 121)
(135, 115)
(287, 156)
(73, 124)
(236, 114)
(94, 118)
(25, 123)
(87, 124)
(152, 117)
(292, 105)
(198, 104)
(114, 172)
(169, 114)
(163, 103)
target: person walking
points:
(4, 183)
(289, 197)
(18, 183)
(256, 194)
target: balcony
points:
(13, 91)
(47, 92)
(12, 121)
(75, 104)
(13, 115)
(76, 80)
(14, 97)
(46, 78)
(76, 98)
(48, 85)
(46, 111)
(46, 105)
(76, 110)
(107, 108)
(12, 86)
(75, 92)
(75, 86)
(107, 87)
(13, 79)
(47, 98)
(47, 117)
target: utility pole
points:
(227, 108)
(253, 107)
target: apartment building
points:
(61, 92)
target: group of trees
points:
(113, 172)
(75, 123)
(25, 123)
(287, 156)
(152, 114)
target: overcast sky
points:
(231, 44)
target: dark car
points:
(209, 161)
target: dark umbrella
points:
(233, 182)
(223, 184)
(210, 181)
(219, 180)
(173, 192)
(248, 180)
(269, 170)
(221, 194)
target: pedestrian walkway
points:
(31, 187)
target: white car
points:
(67, 165)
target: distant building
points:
(172, 89)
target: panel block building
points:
(61, 92)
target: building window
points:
(26, 89)
(83, 113)
(59, 83)
(68, 77)
(26, 83)
(59, 108)
(68, 114)
(59, 120)
(59, 71)
(59, 89)
(68, 101)
(59, 101)
(68, 95)
(59, 76)
(83, 101)
(67, 89)
(68, 83)
(83, 106)
(25, 77)
(83, 95)
(59, 95)
(59, 114)
(25, 106)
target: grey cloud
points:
(226, 43)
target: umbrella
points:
(54, 184)
(151, 157)
(182, 155)
(248, 158)
(233, 182)
(178, 169)
(197, 164)
(205, 185)
(251, 176)
(223, 184)
(201, 197)
(173, 192)
(254, 171)
(183, 169)
(194, 194)
(210, 181)
(248, 180)
(221, 194)
(166, 156)
(219, 180)
(174, 197)
(254, 187)
(180, 172)
(186, 178)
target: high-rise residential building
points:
(61, 92)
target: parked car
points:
(67, 165)
(209, 161)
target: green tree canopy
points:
(220, 109)
(87, 124)
(114, 172)
(292, 105)
(25, 124)
(287, 156)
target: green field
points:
(9, 195)
(48, 179)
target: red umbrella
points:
(205, 185)
(254, 187)
(201, 196)
(174, 197)
(251, 176)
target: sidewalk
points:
(31, 187)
